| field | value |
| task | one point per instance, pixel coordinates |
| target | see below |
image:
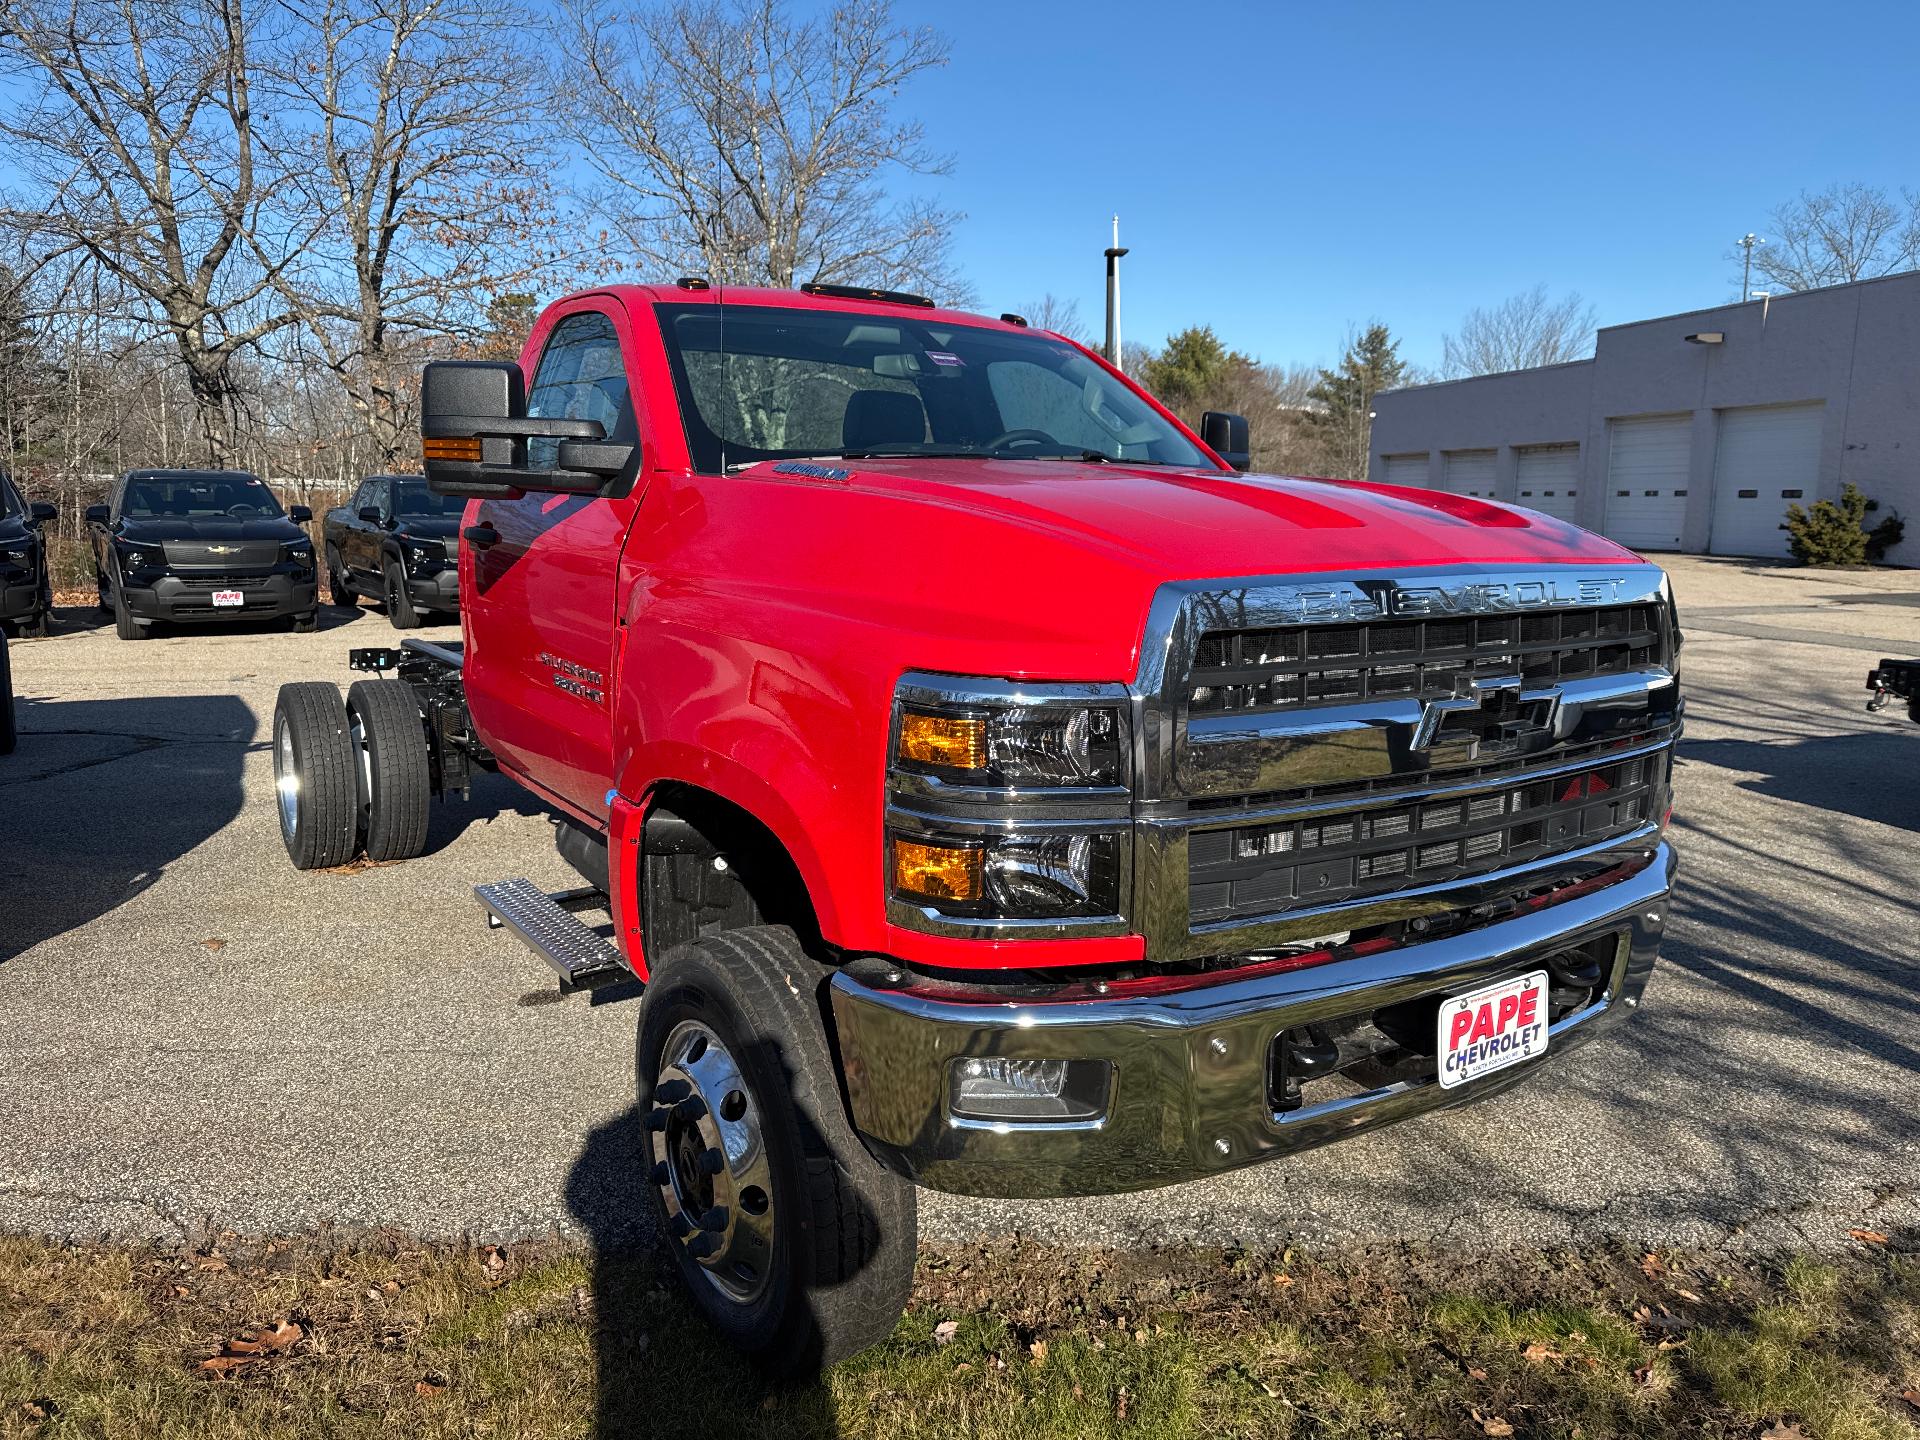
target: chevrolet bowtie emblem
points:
(1487, 709)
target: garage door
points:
(1468, 472)
(1647, 480)
(1405, 469)
(1550, 479)
(1768, 457)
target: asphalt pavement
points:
(193, 1034)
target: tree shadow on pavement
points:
(1873, 776)
(101, 796)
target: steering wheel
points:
(243, 512)
(1021, 437)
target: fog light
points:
(994, 1087)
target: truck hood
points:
(1177, 524)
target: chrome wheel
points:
(286, 779)
(710, 1161)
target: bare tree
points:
(1520, 333)
(1842, 234)
(414, 121)
(136, 134)
(1062, 317)
(738, 142)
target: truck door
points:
(538, 603)
(363, 538)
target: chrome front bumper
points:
(1190, 1088)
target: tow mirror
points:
(96, 515)
(474, 430)
(1226, 435)
(300, 514)
(42, 512)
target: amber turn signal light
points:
(461, 448)
(938, 872)
(943, 740)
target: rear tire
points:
(313, 771)
(792, 1239)
(400, 604)
(393, 777)
(124, 625)
(8, 734)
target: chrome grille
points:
(1326, 858)
(1300, 667)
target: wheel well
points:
(707, 866)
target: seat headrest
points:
(883, 417)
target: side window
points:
(380, 496)
(362, 498)
(580, 377)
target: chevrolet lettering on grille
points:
(1349, 602)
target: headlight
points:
(299, 552)
(1008, 804)
(140, 555)
(1047, 745)
(423, 552)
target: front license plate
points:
(229, 597)
(1492, 1028)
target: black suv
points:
(26, 591)
(396, 542)
(200, 545)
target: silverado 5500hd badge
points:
(575, 679)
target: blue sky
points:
(1283, 169)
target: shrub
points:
(1832, 532)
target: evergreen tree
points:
(1190, 370)
(1345, 397)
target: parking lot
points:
(195, 1033)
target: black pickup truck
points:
(198, 545)
(26, 590)
(396, 542)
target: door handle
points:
(481, 536)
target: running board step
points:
(549, 929)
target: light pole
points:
(1114, 252)
(1746, 243)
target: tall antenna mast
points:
(1114, 252)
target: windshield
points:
(198, 497)
(820, 383)
(412, 500)
(10, 502)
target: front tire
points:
(124, 625)
(795, 1243)
(399, 603)
(8, 734)
(313, 773)
(337, 588)
(394, 784)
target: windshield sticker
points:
(944, 357)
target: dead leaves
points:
(944, 1332)
(430, 1384)
(252, 1347)
(1867, 1237)
(1539, 1354)
(1494, 1425)
(1912, 1398)
(1784, 1431)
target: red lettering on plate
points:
(1529, 1006)
(1462, 1022)
(1483, 1022)
(1509, 1007)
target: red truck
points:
(996, 789)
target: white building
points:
(1690, 432)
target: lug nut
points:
(656, 1119)
(702, 1245)
(713, 1162)
(690, 1109)
(661, 1172)
(714, 1219)
(1223, 1146)
(680, 1225)
(671, 1092)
